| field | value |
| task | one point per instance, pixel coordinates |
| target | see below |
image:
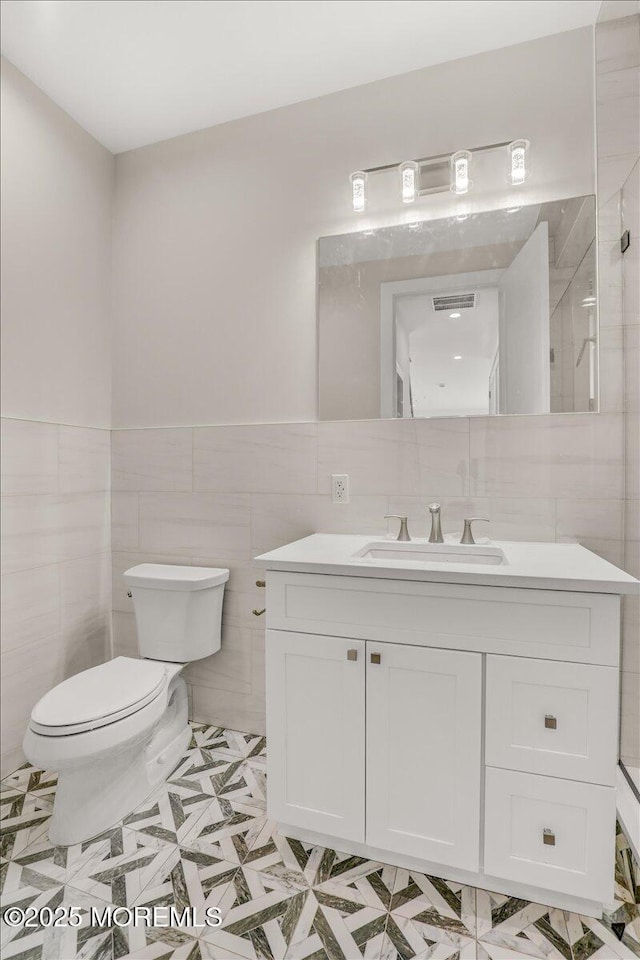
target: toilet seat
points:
(100, 696)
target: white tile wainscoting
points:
(56, 582)
(221, 495)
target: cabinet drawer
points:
(557, 719)
(548, 624)
(550, 833)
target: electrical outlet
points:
(339, 488)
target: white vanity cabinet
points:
(466, 731)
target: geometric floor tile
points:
(91, 942)
(25, 822)
(203, 840)
(123, 867)
(29, 779)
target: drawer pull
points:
(352, 654)
(375, 658)
(550, 722)
(548, 837)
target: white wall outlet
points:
(340, 488)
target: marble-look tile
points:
(84, 459)
(29, 457)
(617, 45)
(380, 456)
(630, 205)
(124, 521)
(230, 668)
(124, 635)
(588, 519)
(632, 456)
(631, 285)
(511, 518)
(443, 455)
(618, 113)
(613, 172)
(562, 456)
(220, 707)
(38, 531)
(632, 368)
(260, 458)
(630, 717)
(88, 941)
(155, 460)
(26, 824)
(610, 312)
(195, 524)
(277, 519)
(611, 369)
(122, 868)
(29, 779)
(361, 515)
(85, 605)
(43, 865)
(520, 928)
(30, 606)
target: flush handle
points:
(548, 837)
(261, 583)
(550, 722)
(352, 654)
(129, 594)
(375, 658)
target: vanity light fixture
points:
(460, 163)
(359, 191)
(409, 180)
(518, 162)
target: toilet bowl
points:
(117, 730)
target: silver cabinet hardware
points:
(548, 837)
(467, 535)
(550, 722)
(258, 613)
(352, 654)
(436, 530)
(375, 658)
(404, 530)
(261, 583)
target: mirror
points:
(492, 313)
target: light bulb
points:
(458, 356)
(454, 316)
(518, 163)
(409, 179)
(460, 164)
(359, 191)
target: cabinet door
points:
(424, 752)
(315, 732)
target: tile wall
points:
(617, 44)
(221, 495)
(56, 582)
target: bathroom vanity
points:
(449, 709)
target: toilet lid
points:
(118, 687)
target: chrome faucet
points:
(436, 530)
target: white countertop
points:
(541, 566)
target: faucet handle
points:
(404, 530)
(467, 535)
(434, 507)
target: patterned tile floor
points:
(202, 840)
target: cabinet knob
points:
(550, 722)
(548, 837)
(352, 654)
(261, 583)
(375, 658)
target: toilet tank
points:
(178, 610)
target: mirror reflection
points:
(493, 313)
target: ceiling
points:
(133, 72)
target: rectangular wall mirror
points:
(494, 313)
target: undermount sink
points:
(399, 552)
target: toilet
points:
(115, 731)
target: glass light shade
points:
(460, 165)
(518, 162)
(359, 191)
(409, 180)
